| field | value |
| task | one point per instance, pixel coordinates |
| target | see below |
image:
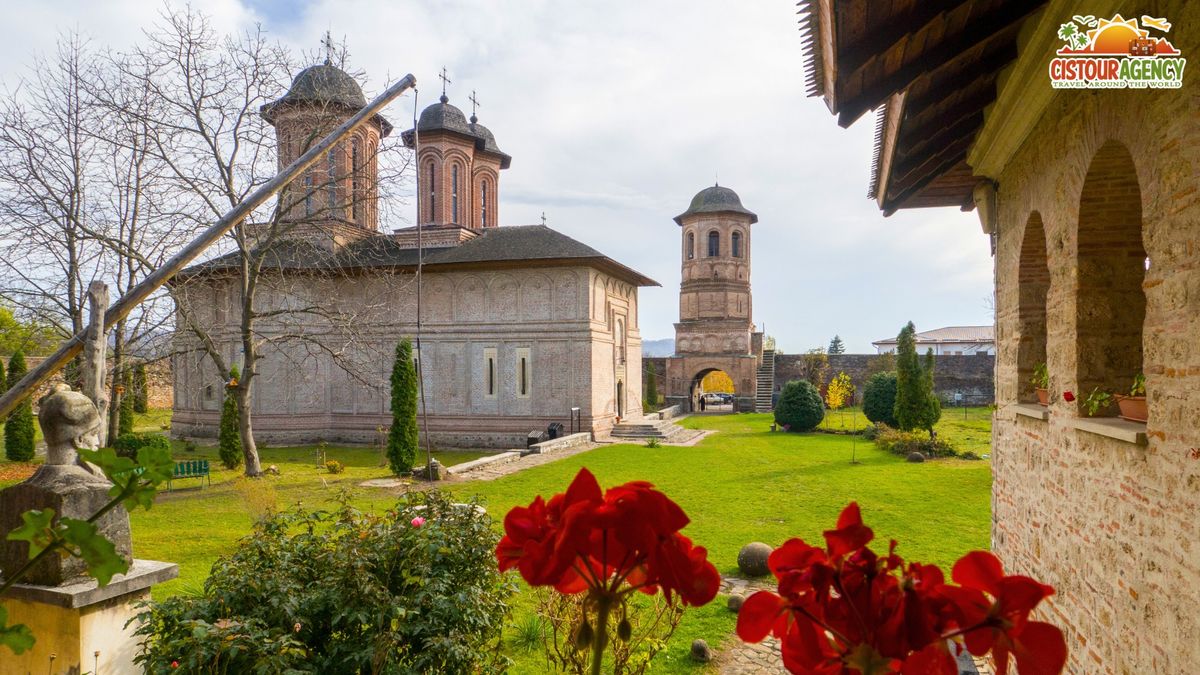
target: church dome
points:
(489, 141)
(323, 84)
(716, 199)
(442, 116)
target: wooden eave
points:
(930, 69)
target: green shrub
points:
(140, 392)
(18, 428)
(904, 443)
(125, 410)
(870, 431)
(334, 466)
(402, 437)
(343, 592)
(127, 445)
(229, 439)
(879, 398)
(799, 407)
(917, 407)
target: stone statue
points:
(69, 421)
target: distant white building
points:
(951, 340)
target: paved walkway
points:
(494, 471)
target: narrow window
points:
(432, 191)
(308, 194)
(491, 382)
(355, 187)
(522, 362)
(691, 246)
(714, 244)
(620, 339)
(524, 376)
(737, 244)
(454, 193)
(331, 185)
(483, 192)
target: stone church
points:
(521, 324)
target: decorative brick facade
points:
(1098, 237)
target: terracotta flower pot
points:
(1133, 408)
(1043, 396)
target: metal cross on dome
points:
(445, 80)
(327, 43)
(474, 103)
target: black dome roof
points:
(442, 116)
(716, 199)
(322, 85)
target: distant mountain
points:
(664, 347)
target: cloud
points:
(616, 114)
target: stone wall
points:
(159, 392)
(1111, 524)
(972, 376)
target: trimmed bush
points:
(229, 438)
(343, 591)
(140, 391)
(125, 410)
(402, 437)
(917, 406)
(799, 407)
(18, 428)
(904, 443)
(127, 445)
(870, 431)
(879, 398)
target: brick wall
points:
(971, 375)
(1110, 524)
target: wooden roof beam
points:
(890, 32)
(981, 72)
(942, 120)
(914, 157)
(920, 169)
(979, 30)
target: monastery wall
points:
(1109, 522)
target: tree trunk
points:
(243, 396)
(118, 378)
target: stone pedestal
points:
(82, 625)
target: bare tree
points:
(268, 290)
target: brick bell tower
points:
(458, 168)
(715, 329)
(335, 201)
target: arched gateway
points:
(715, 329)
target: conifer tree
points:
(229, 441)
(140, 393)
(125, 412)
(916, 405)
(18, 429)
(3, 383)
(402, 437)
(836, 346)
(651, 397)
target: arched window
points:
(483, 204)
(308, 194)
(714, 244)
(429, 170)
(454, 193)
(1033, 279)
(619, 338)
(691, 246)
(331, 180)
(355, 186)
(737, 244)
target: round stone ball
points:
(735, 603)
(701, 653)
(752, 559)
(916, 457)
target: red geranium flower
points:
(844, 610)
(1068, 396)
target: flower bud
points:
(624, 630)
(583, 637)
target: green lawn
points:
(965, 428)
(742, 484)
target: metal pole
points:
(159, 277)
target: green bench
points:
(192, 468)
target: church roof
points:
(323, 84)
(512, 246)
(716, 199)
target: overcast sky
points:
(616, 114)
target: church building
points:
(520, 324)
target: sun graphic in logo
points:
(1115, 36)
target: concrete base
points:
(81, 627)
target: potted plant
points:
(1133, 406)
(1097, 401)
(1041, 383)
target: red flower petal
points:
(934, 659)
(758, 615)
(850, 534)
(1040, 650)
(980, 570)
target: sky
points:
(616, 114)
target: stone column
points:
(79, 627)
